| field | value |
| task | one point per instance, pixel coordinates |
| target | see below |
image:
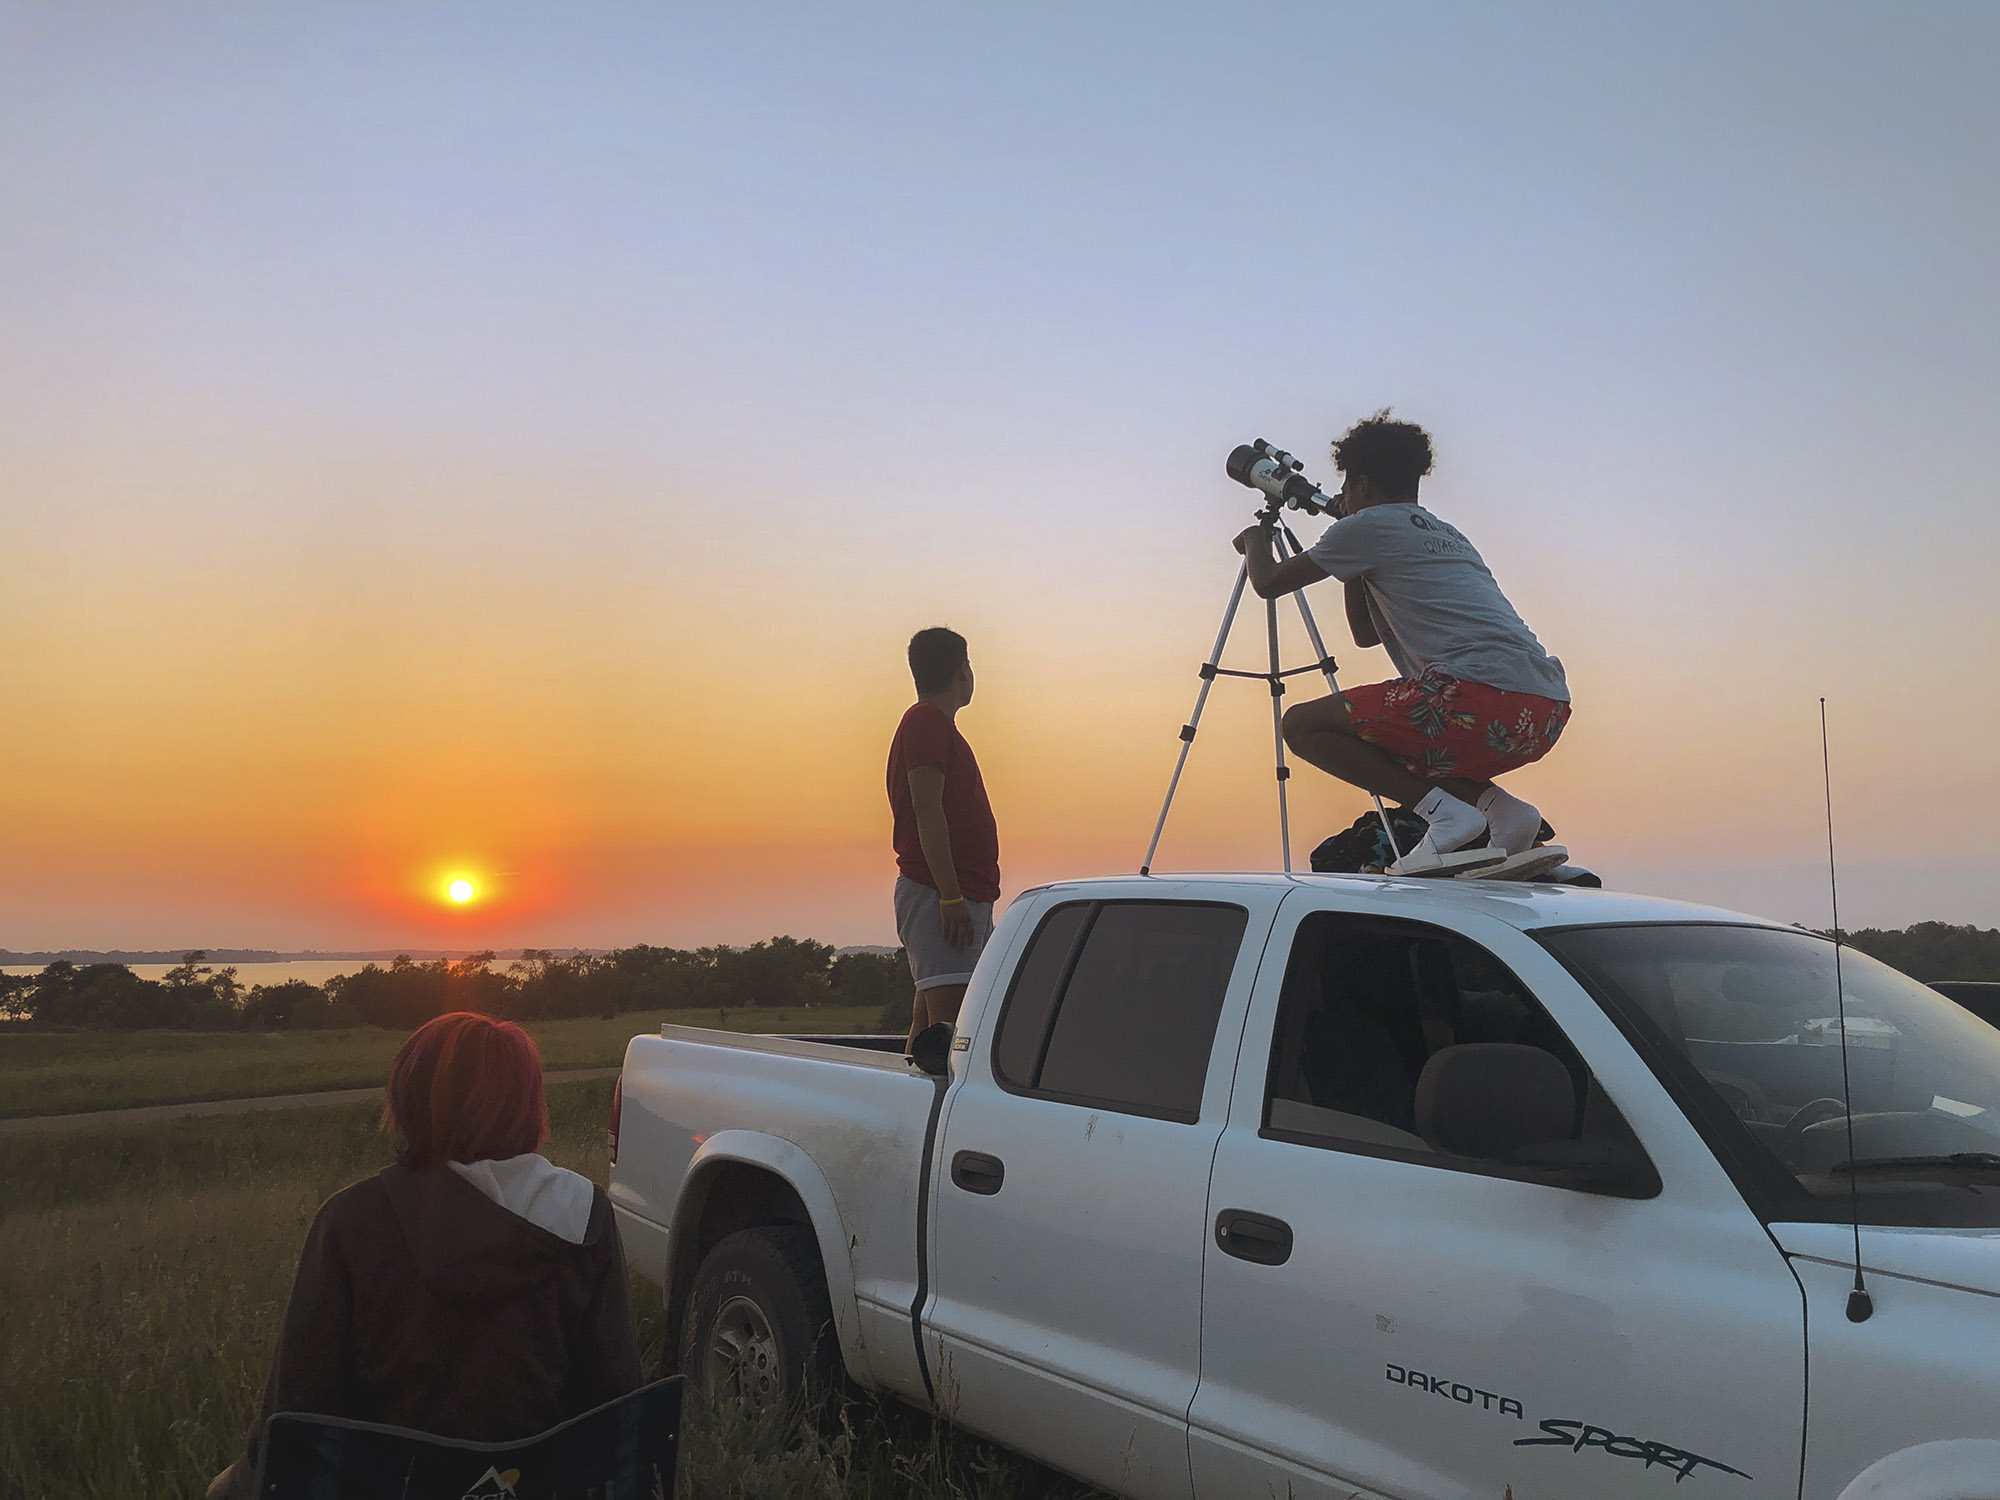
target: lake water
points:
(319, 970)
(312, 971)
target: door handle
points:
(1253, 1237)
(977, 1172)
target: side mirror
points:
(931, 1051)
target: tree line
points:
(196, 996)
(785, 971)
(1934, 950)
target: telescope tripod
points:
(1288, 546)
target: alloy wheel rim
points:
(743, 1355)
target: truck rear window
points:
(1115, 1004)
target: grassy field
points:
(59, 1073)
(143, 1272)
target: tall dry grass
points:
(134, 1335)
(143, 1275)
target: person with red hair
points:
(472, 1290)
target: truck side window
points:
(1115, 1005)
(1031, 1003)
(1369, 1003)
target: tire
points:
(759, 1326)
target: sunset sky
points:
(517, 441)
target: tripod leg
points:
(1288, 545)
(1278, 734)
(1194, 719)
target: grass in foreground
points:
(860, 1450)
(143, 1273)
(57, 1073)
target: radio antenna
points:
(1860, 1306)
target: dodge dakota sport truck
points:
(1238, 1186)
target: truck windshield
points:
(1755, 1012)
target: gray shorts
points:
(933, 961)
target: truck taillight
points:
(611, 1129)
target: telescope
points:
(1277, 474)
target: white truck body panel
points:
(1435, 1334)
(1932, 1288)
(1073, 1306)
(1427, 1311)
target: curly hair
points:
(1394, 454)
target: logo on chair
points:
(494, 1484)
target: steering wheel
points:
(1811, 1113)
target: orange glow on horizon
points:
(597, 783)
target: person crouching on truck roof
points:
(474, 1289)
(1477, 695)
(947, 844)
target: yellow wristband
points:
(951, 901)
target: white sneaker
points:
(1452, 825)
(1514, 823)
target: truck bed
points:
(697, 1101)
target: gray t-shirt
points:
(1433, 601)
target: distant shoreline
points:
(256, 955)
(11, 959)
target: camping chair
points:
(623, 1450)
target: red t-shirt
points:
(927, 738)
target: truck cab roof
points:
(1521, 904)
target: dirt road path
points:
(151, 1114)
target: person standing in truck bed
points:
(947, 844)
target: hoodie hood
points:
(468, 1248)
(535, 1188)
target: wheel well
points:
(728, 1196)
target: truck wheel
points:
(759, 1326)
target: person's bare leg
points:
(938, 1003)
(945, 1000)
(1320, 733)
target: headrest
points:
(1489, 1099)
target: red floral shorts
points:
(1439, 726)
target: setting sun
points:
(460, 890)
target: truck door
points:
(1407, 1294)
(1071, 1206)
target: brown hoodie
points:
(422, 1303)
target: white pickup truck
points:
(1237, 1186)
